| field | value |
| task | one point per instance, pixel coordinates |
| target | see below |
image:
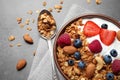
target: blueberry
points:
(81, 65)
(113, 53)
(77, 43)
(104, 26)
(110, 76)
(71, 62)
(77, 55)
(107, 59)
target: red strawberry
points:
(107, 36)
(95, 46)
(116, 66)
(91, 29)
(64, 40)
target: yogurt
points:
(106, 49)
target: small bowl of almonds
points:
(84, 48)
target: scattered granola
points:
(19, 20)
(61, 1)
(29, 28)
(50, 9)
(44, 3)
(58, 8)
(37, 11)
(11, 45)
(19, 44)
(27, 21)
(21, 25)
(34, 53)
(11, 38)
(30, 12)
(88, 1)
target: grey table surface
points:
(10, 9)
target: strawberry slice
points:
(107, 36)
(91, 29)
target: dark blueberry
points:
(77, 55)
(107, 59)
(113, 53)
(110, 76)
(81, 65)
(104, 26)
(71, 62)
(77, 43)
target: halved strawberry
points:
(107, 36)
(91, 29)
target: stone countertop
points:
(11, 9)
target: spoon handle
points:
(52, 63)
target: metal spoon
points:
(54, 76)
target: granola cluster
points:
(95, 68)
(46, 25)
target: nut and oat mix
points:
(71, 63)
(46, 25)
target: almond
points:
(90, 70)
(69, 49)
(21, 64)
(118, 35)
(28, 38)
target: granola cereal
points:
(95, 68)
(30, 12)
(46, 25)
(58, 8)
(61, 1)
(11, 45)
(19, 20)
(19, 44)
(88, 1)
(29, 28)
(44, 3)
(21, 25)
(50, 9)
(11, 38)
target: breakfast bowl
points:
(87, 48)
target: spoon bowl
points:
(44, 11)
